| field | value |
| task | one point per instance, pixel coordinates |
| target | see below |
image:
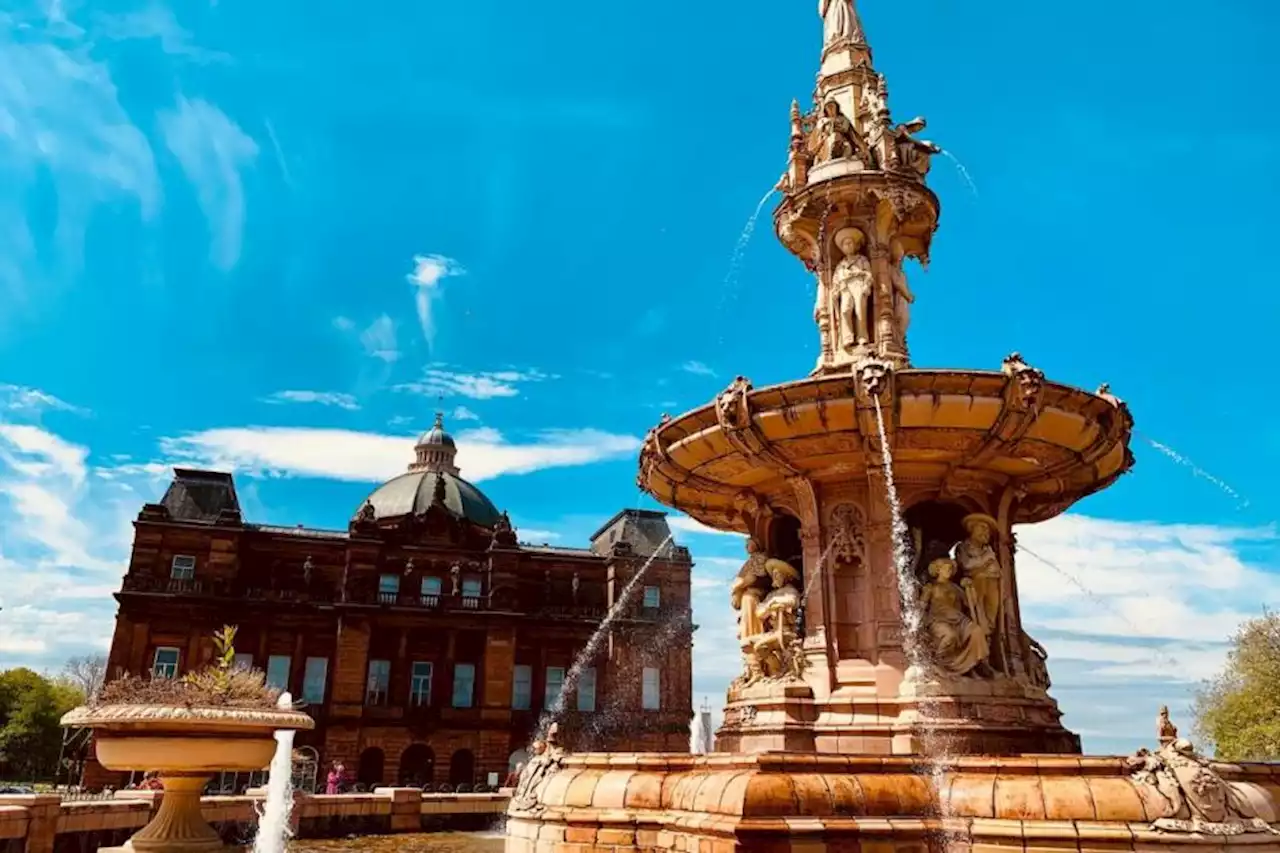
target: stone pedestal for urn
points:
(185, 747)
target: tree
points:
(31, 707)
(86, 673)
(1238, 712)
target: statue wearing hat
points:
(980, 566)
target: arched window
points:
(462, 768)
(370, 771)
(417, 766)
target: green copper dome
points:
(433, 475)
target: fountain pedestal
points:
(771, 717)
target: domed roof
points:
(414, 492)
(432, 478)
(436, 435)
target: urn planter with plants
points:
(185, 730)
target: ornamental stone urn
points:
(185, 747)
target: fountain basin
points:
(185, 747)
(786, 801)
(948, 428)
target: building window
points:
(522, 688)
(420, 684)
(183, 568)
(652, 598)
(587, 689)
(388, 589)
(464, 684)
(165, 664)
(431, 591)
(555, 683)
(375, 691)
(651, 692)
(243, 662)
(278, 671)
(471, 587)
(313, 680)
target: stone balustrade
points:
(44, 823)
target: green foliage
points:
(1238, 712)
(219, 685)
(31, 707)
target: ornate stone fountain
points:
(889, 694)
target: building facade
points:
(426, 640)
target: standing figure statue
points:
(839, 22)
(977, 559)
(852, 284)
(748, 590)
(876, 125)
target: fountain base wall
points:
(863, 804)
(997, 718)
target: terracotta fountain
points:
(890, 698)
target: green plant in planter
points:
(219, 685)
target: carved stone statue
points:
(1038, 665)
(545, 760)
(914, 154)
(839, 22)
(748, 590)
(958, 643)
(367, 513)
(833, 136)
(852, 285)
(902, 295)
(1197, 798)
(768, 603)
(776, 648)
(981, 568)
(1166, 731)
(876, 124)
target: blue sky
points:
(270, 237)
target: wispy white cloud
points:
(437, 381)
(61, 120)
(17, 399)
(156, 22)
(64, 548)
(697, 368)
(213, 151)
(532, 534)
(483, 453)
(343, 324)
(379, 340)
(462, 413)
(323, 398)
(685, 524)
(428, 272)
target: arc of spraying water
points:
(588, 652)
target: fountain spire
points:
(855, 204)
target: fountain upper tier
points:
(951, 432)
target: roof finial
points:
(439, 424)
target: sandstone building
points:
(425, 639)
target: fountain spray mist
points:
(588, 653)
(934, 753)
(727, 288)
(1195, 469)
(273, 816)
(964, 173)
